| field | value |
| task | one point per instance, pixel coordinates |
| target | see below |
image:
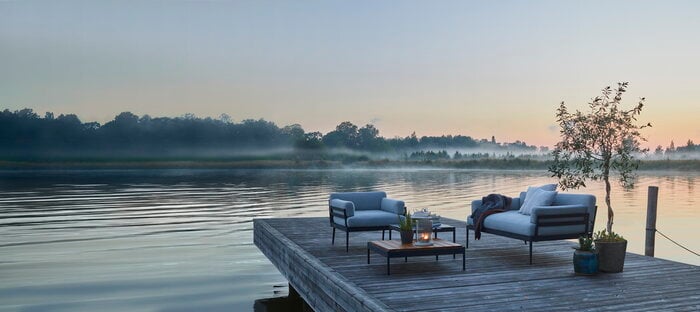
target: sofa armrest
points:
(348, 206)
(394, 206)
(475, 204)
(562, 211)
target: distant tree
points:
(367, 137)
(344, 135)
(671, 148)
(310, 141)
(295, 132)
(659, 151)
(225, 118)
(598, 142)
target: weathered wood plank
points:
(498, 276)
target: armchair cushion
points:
(369, 218)
(394, 206)
(345, 204)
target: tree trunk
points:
(606, 178)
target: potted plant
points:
(585, 257)
(406, 229)
(592, 146)
(614, 246)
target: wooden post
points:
(652, 200)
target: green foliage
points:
(585, 243)
(595, 143)
(606, 236)
(406, 222)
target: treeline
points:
(25, 133)
(690, 150)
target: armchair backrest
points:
(362, 200)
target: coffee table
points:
(394, 249)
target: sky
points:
(477, 68)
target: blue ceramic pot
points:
(585, 262)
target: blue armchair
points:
(363, 211)
(569, 216)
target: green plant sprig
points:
(406, 222)
(608, 236)
(585, 243)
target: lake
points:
(181, 240)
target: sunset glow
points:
(477, 69)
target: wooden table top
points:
(390, 245)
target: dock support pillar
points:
(652, 200)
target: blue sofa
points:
(569, 216)
(363, 211)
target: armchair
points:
(363, 211)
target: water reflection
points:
(182, 239)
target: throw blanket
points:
(493, 203)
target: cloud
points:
(375, 121)
(553, 128)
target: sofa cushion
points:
(362, 200)
(363, 218)
(510, 221)
(538, 197)
(347, 205)
(530, 189)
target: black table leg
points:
(464, 260)
(367, 255)
(388, 265)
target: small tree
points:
(598, 142)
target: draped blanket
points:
(493, 203)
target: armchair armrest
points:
(348, 206)
(394, 206)
(562, 211)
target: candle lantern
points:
(424, 231)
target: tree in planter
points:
(595, 144)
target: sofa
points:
(363, 211)
(566, 216)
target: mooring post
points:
(652, 200)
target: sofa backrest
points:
(362, 200)
(578, 199)
(572, 199)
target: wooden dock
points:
(497, 278)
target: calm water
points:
(181, 240)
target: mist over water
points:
(181, 240)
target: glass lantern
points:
(424, 232)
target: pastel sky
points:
(478, 68)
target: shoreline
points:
(486, 164)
